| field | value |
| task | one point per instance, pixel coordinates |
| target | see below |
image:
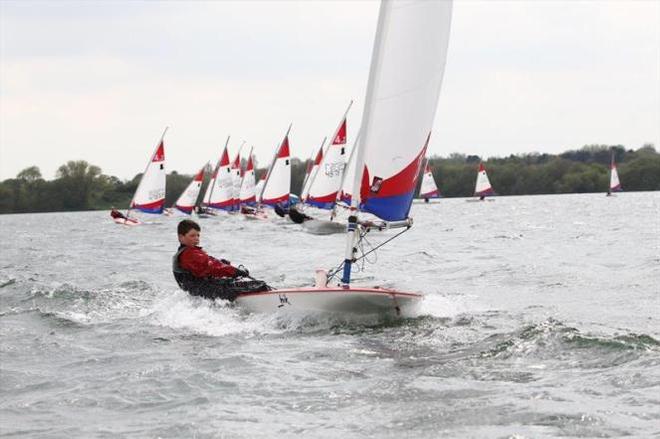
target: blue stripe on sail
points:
(392, 208)
(321, 205)
(146, 210)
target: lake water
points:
(541, 319)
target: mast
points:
(352, 231)
(130, 205)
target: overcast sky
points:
(99, 81)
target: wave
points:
(551, 340)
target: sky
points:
(100, 80)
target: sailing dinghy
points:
(149, 197)
(402, 95)
(429, 189)
(277, 186)
(247, 196)
(483, 188)
(326, 183)
(615, 184)
(188, 199)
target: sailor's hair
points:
(186, 225)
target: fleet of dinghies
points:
(373, 186)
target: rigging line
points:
(333, 273)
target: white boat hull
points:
(355, 300)
(127, 222)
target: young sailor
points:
(202, 275)
(114, 213)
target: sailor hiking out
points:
(202, 275)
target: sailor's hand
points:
(242, 273)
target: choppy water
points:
(541, 319)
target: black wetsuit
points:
(297, 216)
(212, 288)
(280, 211)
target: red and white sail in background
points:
(222, 192)
(429, 189)
(327, 180)
(483, 187)
(149, 196)
(278, 181)
(188, 199)
(615, 184)
(312, 170)
(247, 193)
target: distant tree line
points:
(79, 185)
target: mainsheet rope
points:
(332, 273)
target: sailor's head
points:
(188, 231)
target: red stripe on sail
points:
(325, 198)
(276, 200)
(159, 155)
(319, 157)
(250, 165)
(284, 149)
(151, 206)
(340, 138)
(200, 175)
(398, 184)
(224, 160)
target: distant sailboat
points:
(483, 188)
(188, 199)
(277, 186)
(429, 189)
(326, 182)
(615, 184)
(222, 192)
(402, 94)
(311, 171)
(247, 196)
(149, 197)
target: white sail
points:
(188, 199)
(278, 182)
(482, 187)
(247, 192)
(429, 189)
(328, 177)
(402, 97)
(615, 184)
(258, 189)
(222, 195)
(236, 178)
(149, 196)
